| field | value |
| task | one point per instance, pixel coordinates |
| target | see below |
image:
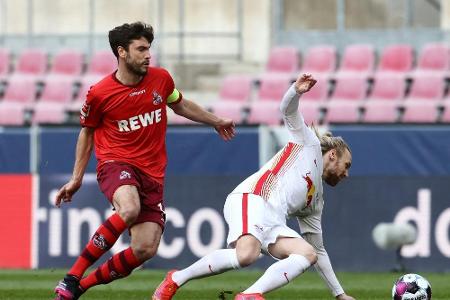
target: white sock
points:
(216, 262)
(280, 273)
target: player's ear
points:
(333, 154)
(122, 52)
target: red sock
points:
(118, 266)
(103, 239)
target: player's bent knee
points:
(129, 214)
(248, 249)
(144, 252)
(311, 256)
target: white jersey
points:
(292, 180)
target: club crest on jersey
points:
(311, 188)
(124, 175)
(157, 99)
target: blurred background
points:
(383, 76)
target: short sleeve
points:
(175, 97)
(90, 113)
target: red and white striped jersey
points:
(291, 181)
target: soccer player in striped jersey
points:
(289, 185)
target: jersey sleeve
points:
(90, 112)
(174, 96)
(293, 119)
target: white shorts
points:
(251, 214)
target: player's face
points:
(338, 168)
(138, 57)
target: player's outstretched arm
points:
(84, 148)
(194, 112)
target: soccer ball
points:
(411, 287)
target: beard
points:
(332, 180)
(135, 68)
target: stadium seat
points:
(234, 95)
(445, 118)
(80, 98)
(11, 114)
(283, 59)
(49, 113)
(21, 90)
(387, 87)
(267, 113)
(420, 112)
(102, 63)
(342, 112)
(318, 93)
(5, 63)
(358, 58)
(67, 62)
(320, 60)
(349, 88)
(174, 119)
(396, 58)
(435, 58)
(273, 87)
(426, 87)
(380, 112)
(32, 63)
(310, 111)
(57, 89)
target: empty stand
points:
(67, 62)
(434, 57)
(102, 63)
(342, 112)
(58, 90)
(320, 60)
(387, 87)
(49, 113)
(420, 112)
(358, 58)
(283, 60)
(426, 87)
(273, 87)
(446, 114)
(267, 113)
(31, 62)
(396, 58)
(318, 93)
(20, 90)
(5, 62)
(349, 88)
(11, 114)
(380, 112)
(311, 112)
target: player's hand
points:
(225, 128)
(344, 297)
(304, 83)
(66, 192)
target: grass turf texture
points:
(139, 286)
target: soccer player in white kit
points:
(288, 185)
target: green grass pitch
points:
(36, 285)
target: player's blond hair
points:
(328, 142)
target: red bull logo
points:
(311, 189)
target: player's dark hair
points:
(123, 35)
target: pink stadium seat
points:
(267, 113)
(320, 60)
(310, 112)
(273, 87)
(349, 88)
(434, 57)
(381, 112)
(11, 114)
(67, 62)
(318, 93)
(396, 58)
(358, 58)
(420, 112)
(20, 90)
(283, 60)
(174, 119)
(57, 89)
(446, 114)
(80, 98)
(5, 62)
(387, 87)
(342, 112)
(32, 62)
(48, 113)
(426, 87)
(102, 63)
(234, 95)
